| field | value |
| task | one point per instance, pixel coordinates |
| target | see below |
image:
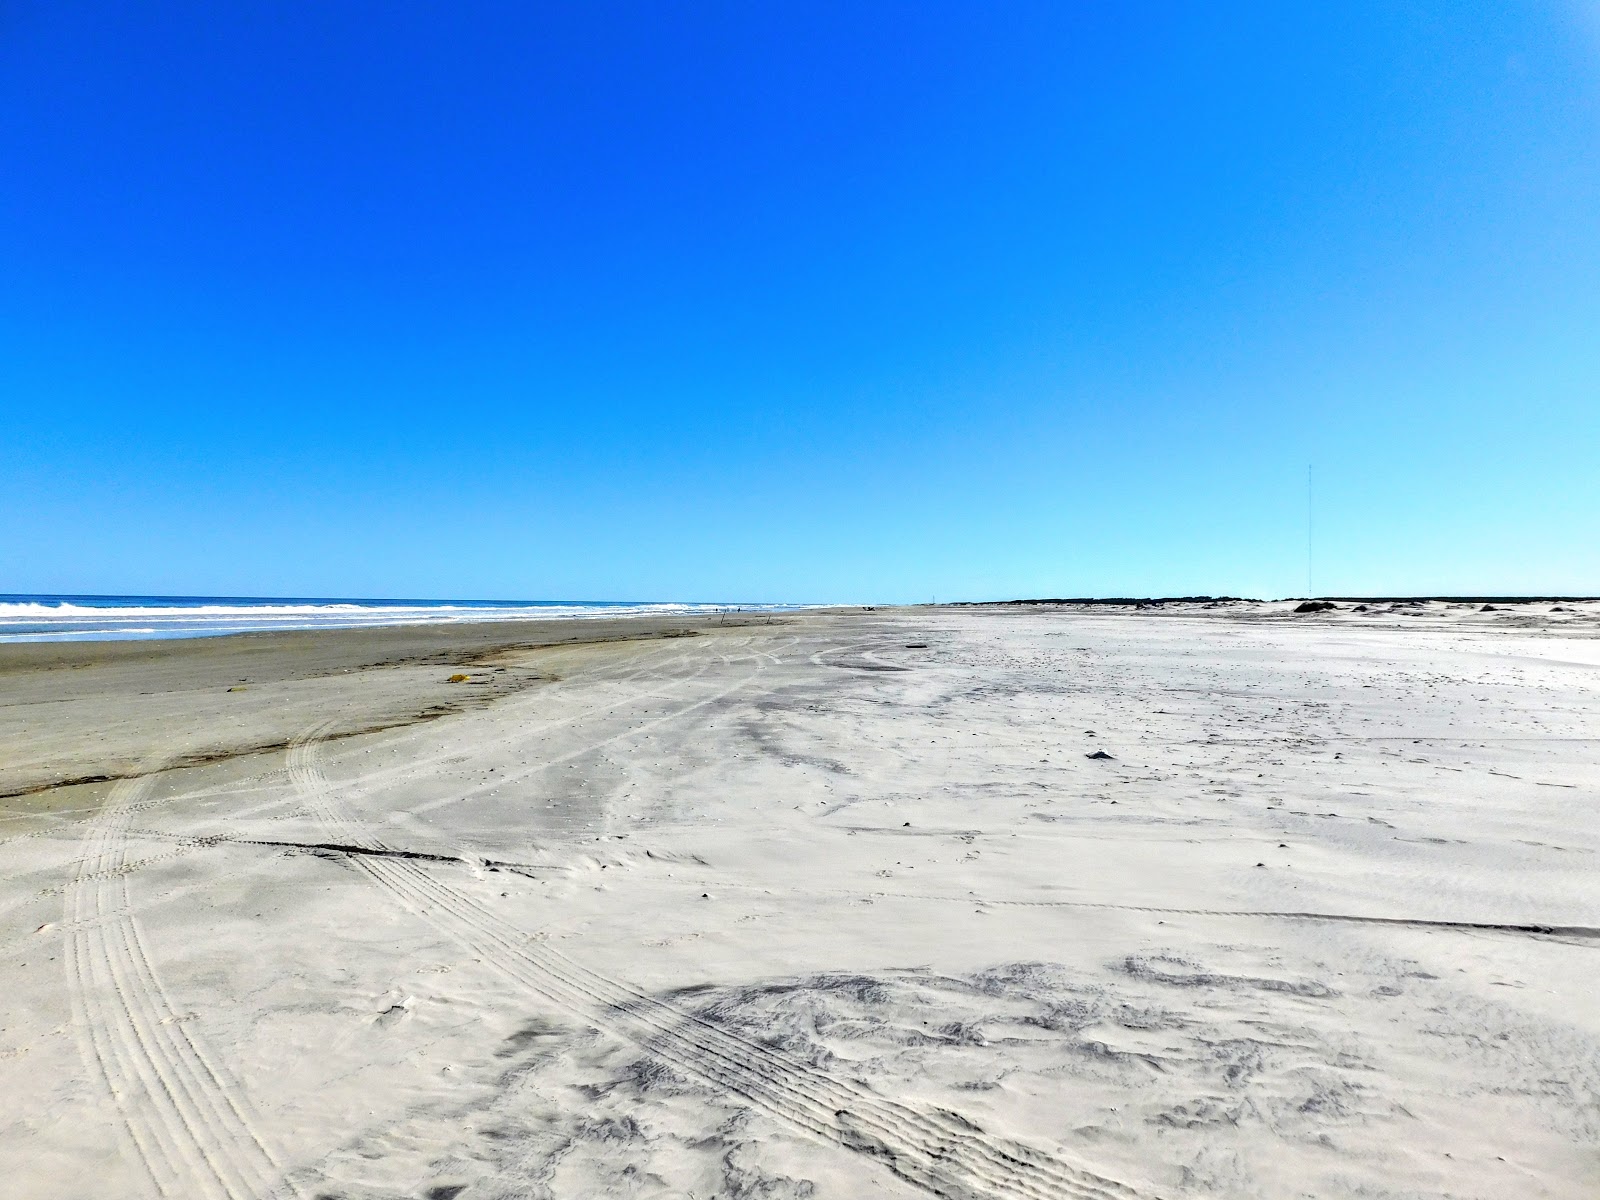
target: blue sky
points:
(799, 301)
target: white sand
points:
(795, 910)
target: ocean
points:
(108, 618)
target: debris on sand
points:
(459, 678)
(1098, 754)
(1311, 606)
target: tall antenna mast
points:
(1309, 590)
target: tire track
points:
(936, 1150)
(816, 659)
(623, 673)
(632, 731)
(183, 1122)
(61, 819)
(340, 821)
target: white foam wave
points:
(27, 621)
(67, 609)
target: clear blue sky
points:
(860, 301)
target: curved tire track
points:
(623, 673)
(185, 1124)
(936, 1150)
(631, 731)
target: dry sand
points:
(835, 906)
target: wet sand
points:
(1038, 902)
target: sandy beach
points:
(1189, 901)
